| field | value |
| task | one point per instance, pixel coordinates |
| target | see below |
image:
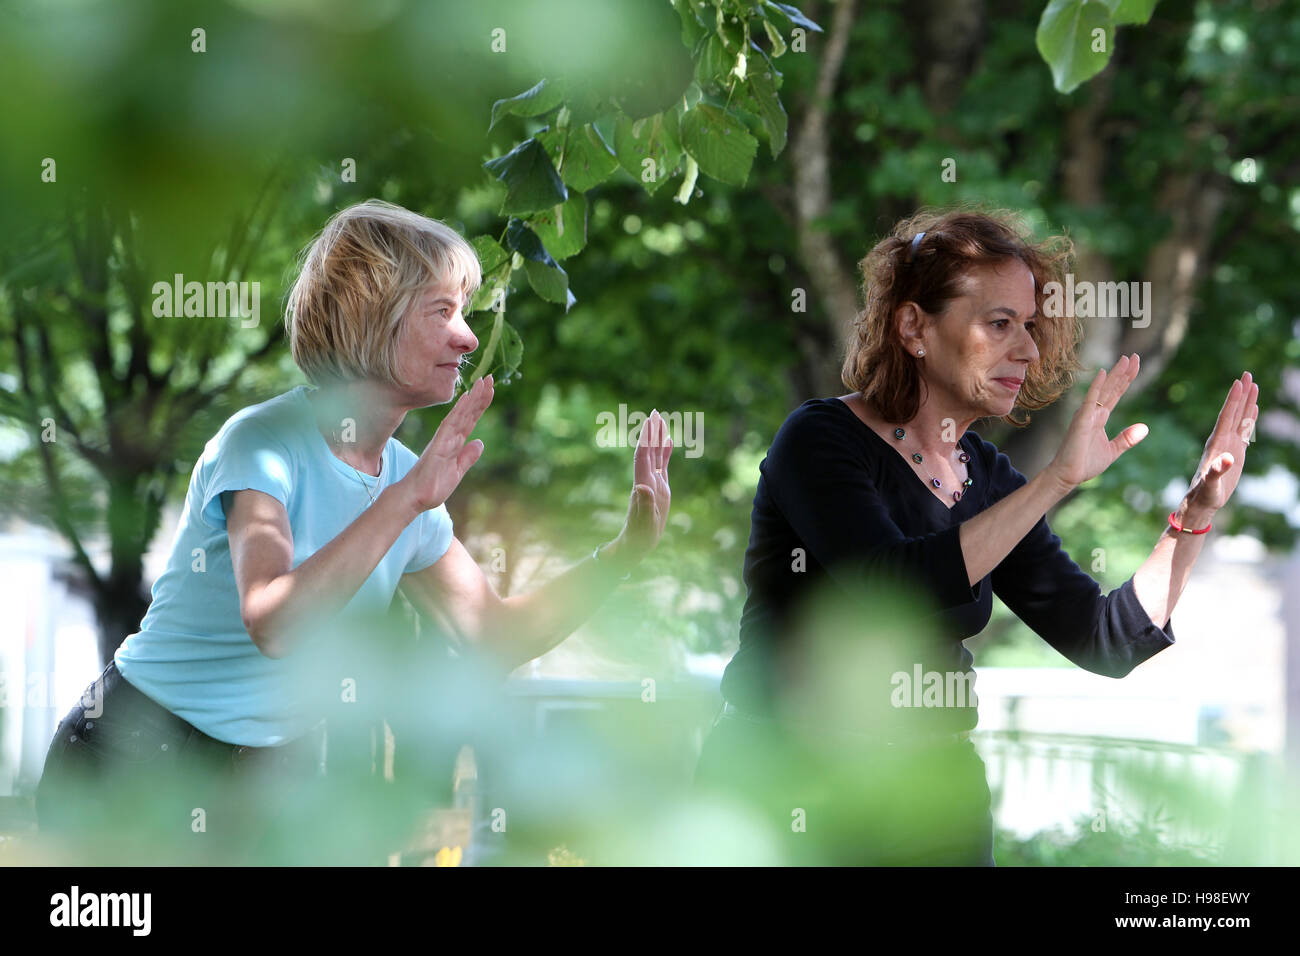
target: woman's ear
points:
(909, 322)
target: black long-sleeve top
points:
(840, 514)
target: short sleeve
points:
(821, 482)
(1106, 634)
(245, 456)
(435, 538)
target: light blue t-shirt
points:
(192, 654)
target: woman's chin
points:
(997, 409)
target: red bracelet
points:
(1173, 523)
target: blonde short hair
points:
(357, 282)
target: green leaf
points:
(531, 181)
(587, 103)
(502, 355)
(490, 254)
(774, 37)
(720, 143)
(521, 239)
(692, 96)
(587, 161)
(542, 98)
(732, 35)
(766, 105)
(550, 282)
(794, 15)
(655, 139)
(692, 26)
(563, 229)
(1065, 40)
(512, 353)
(487, 293)
(1124, 12)
(713, 62)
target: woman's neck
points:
(356, 419)
(933, 430)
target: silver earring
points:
(920, 352)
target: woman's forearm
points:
(324, 583)
(1159, 582)
(991, 535)
(529, 625)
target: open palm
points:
(1225, 449)
(647, 512)
(1087, 451)
(449, 453)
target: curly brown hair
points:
(956, 240)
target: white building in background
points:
(48, 651)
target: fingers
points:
(1118, 381)
(1249, 410)
(664, 446)
(650, 474)
(1250, 420)
(1094, 390)
(653, 449)
(1228, 416)
(643, 457)
(460, 421)
(1128, 438)
(468, 455)
(1239, 406)
(1219, 466)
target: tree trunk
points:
(119, 607)
(833, 291)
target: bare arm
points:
(510, 631)
(274, 597)
(455, 593)
(1159, 582)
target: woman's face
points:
(978, 349)
(434, 339)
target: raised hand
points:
(1086, 451)
(647, 512)
(1225, 449)
(447, 456)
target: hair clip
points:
(911, 251)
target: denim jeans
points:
(124, 772)
(825, 799)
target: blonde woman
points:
(308, 511)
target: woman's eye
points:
(1001, 323)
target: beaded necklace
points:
(963, 457)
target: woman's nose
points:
(464, 338)
(1028, 347)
